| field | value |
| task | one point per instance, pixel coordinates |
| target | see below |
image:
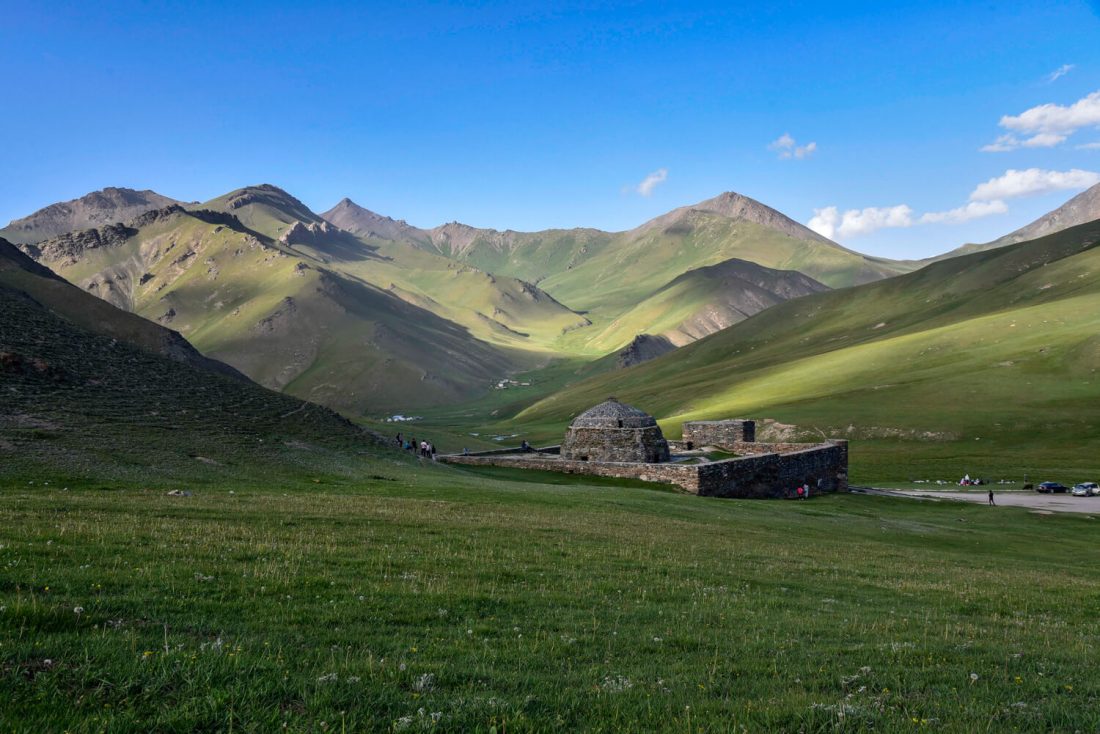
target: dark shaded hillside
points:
(95, 398)
(22, 274)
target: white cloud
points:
(650, 182)
(973, 210)
(1060, 72)
(1044, 140)
(1047, 124)
(829, 222)
(987, 199)
(1052, 118)
(1089, 146)
(1032, 181)
(783, 142)
(805, 151)
(788, 148)
(832, 223)
(825, 221)
(1011, 142)
(1002, 144)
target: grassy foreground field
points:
(430, 599)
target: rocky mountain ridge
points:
(107, 206)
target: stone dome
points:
(613, 414)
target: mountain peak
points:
(360, 221)
(265, 208)
(262, 192)
(732, 205)
(109, 205)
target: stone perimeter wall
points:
(824, 467)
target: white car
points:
(1086, 489)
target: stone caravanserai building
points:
(617, 440)
(612, 431)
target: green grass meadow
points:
(436, 599)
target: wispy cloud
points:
(1089, 146)
(788, 148)
(1013, 184)
(973, 210)
(1046, 125)
(987, 199)
(832, 223)
(1060, 72)
(1011, 142)
(652, 181)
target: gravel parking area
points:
(1019, 498)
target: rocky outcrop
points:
(68, 248)
(644, 348)
(310, 235)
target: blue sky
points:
(516, 115)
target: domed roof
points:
(613, 414)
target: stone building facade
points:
(718, 433)
(616, 440)
(613, 431)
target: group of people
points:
(803, 492)
(426, 449)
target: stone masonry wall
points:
(615, 444)
(746, 448)
(686, 477)
(718, 433)
(823, 467)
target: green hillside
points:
(658, 277)
(705, 300)
(384, 317)
(982, 363)
(305, 308)
(648, 259)
(95, 394)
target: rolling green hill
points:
(612, 277)
(93, 393)
(301, 306)
(982, 362)
(376, 316)
(706, 300)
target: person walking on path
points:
(991, 502)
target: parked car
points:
(1051, 488)
(1086, 489)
